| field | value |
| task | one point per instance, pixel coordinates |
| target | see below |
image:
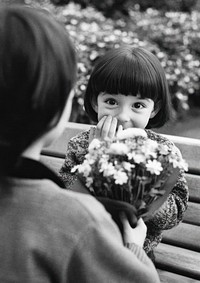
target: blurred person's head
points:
(37, 74)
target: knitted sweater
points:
(169, 214)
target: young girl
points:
(128, 88)
(49, 234)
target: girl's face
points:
(130, 111)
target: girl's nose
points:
(123, 116)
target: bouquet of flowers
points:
(130, 168)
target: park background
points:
(168, 28)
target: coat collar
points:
(32, 169)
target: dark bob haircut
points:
(130, 71)
(37, 73)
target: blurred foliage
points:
(110, 7)
(173, 36)
(166, 5)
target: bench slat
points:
(184, 235)
(53, 163)
(178, 260)
(59, 146)
(169, 277)
(192, 215)
(194, 187)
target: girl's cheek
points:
(101, 115)
(104, 112)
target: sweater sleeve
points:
(99, 256)
(170, 213)
(77, 148)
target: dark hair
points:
(37, 73)
(130, 71)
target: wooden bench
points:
(178, 255)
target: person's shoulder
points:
(83, 208)
(87, 203)
(161, 139)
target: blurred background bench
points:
(178, 255)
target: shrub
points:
(110, 7)
(166, 5)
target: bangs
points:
(132, 75)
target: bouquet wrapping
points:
(130, 168)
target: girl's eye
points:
(138, 105)
(111, 101)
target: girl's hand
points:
(135, 235)
(106, 128)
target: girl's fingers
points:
(135, 235)
(99, 127)
(106, 128)
(120, 129)
(113, 128)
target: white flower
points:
(91, 157)
(120, 177)
(103, 158)
(118, 148)
(184, 165)
(75, 168)
(131, 155)
(179, 163)
(85, 168)
(89, 181)
(151, 148)
(174, 160)
(107, 168)
(138, 158)
(154, 167)
(128, 166)
(95, 143)
(163, 149)
(130, 133)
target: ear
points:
(156, 109)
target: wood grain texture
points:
(178, 260)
